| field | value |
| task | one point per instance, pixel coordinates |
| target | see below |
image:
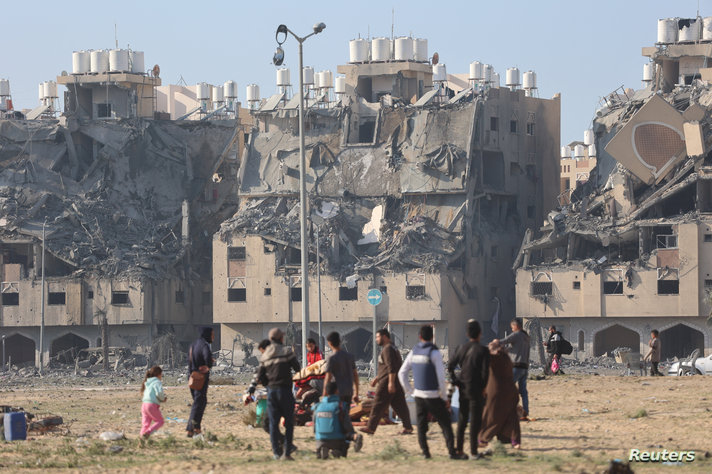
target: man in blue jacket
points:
(430, 390)
(200, 358)
(329, 423)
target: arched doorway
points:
(358, 343)
(62, 348)
(614, 337)
(19, 350)
(680, 340)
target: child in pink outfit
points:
(153, 396)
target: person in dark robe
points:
(499, 418)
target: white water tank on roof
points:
(326, 80)
(648, 72)
(99, 61)
(81, 62)
(495, 80)
(230, 89)
(340, 85)
(667, 30)
(578, 151)
(403, 49)
(565, 152)
(317, 80)
(4, 88)
(308, 75)
(119, 60)
(512, 77)
(202, 91)
(439, 73)
(588, 137)
(487, 71)
(283, 77)
(253, 93)
(216, 94)
(476, 71)
(50, 89)
(420, 50)
(41, 92)
(529, 80)
(707, 29)
(689, 29)
(380, 49)
(136, 64)
(358, 50)
(592, 151)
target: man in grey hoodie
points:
(517, 343)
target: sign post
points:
(374, 298)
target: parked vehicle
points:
(701, 366)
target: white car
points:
(703, 366)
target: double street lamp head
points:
(281, 36)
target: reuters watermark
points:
(661, 456)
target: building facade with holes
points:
(602, 307)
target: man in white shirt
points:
(429, 391)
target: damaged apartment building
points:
(416, 187)
(632, 252)
(127, 205)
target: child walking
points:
(153, 396)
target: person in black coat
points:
(200, 358)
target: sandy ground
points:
(581, 422)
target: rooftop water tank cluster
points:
(403, 48)
(47, 90)
(684, 30)
(100, 61)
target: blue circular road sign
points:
(375, 296)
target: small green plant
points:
(168, 442)
(641, 413)
(391, 452)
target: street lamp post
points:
(277, 60)
(42, 312)
(3, 353)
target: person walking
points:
(518, 345)
(429, 390)
(473, 360)
(500, 419)
(341, 368)
(200, 359)
(553, 348)
(152, 397)
(389, 391)
(654, 353)
(275, 371)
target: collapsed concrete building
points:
(632, 251)
(128, 205)
(415, 190)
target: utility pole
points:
(3, 353)
(42, 311)
(318, 284)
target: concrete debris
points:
(111, 436)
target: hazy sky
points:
(582, 49)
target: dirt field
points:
(581, 423)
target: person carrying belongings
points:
(329, 423)
(310, 383)
(153, 396)
(315, 380)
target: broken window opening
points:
(179, 297)
(413, 292)
(666, 241)
(11, 299)
(708, 284)
(295, 294)
(348, 294)
(494, 124)
(577, 285)
(493, 169)
(236, 253)
(294, 256)
(57, 298)
(103, 110)
(384, 290)
(530, 128)
(236, 295)
(514, 169)
(542, 288)
(668, 287)
(512, 126)
(612, 287)
(119, 297)
(268, 292)
(366, 130)
(90, 294)
(708, 237)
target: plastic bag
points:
(554, 366)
